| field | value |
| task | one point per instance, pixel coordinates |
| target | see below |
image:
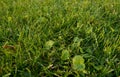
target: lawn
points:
(59, 38)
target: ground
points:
(60, 38)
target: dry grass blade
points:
(9, 47)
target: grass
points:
(50, 37)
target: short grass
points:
(33, 34)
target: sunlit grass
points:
(42, 38)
